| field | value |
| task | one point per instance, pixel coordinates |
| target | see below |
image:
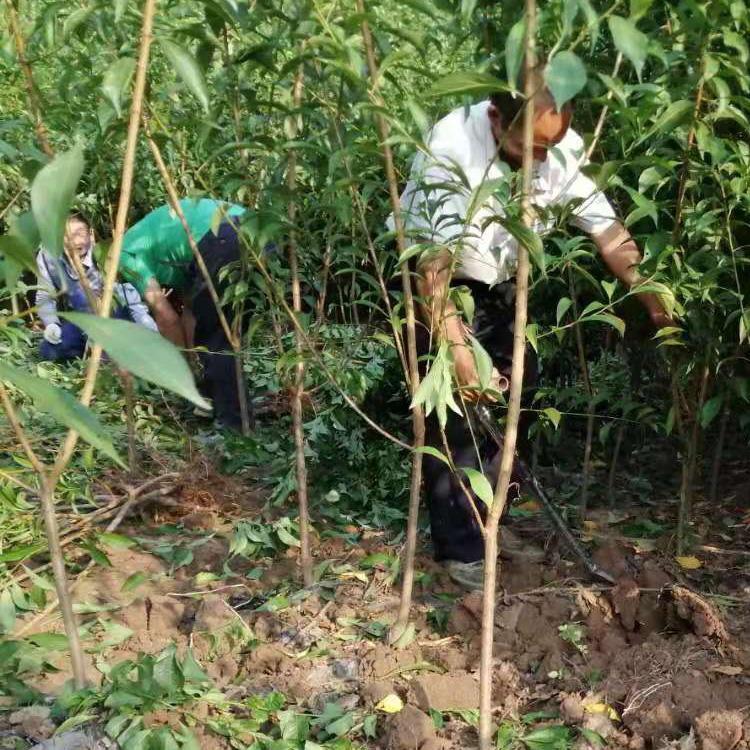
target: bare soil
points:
(662, 656)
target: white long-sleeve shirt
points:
(47, 293)
(462, 156)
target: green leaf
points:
(134, 581)
(467, 8)
(565, 75)
(191, 670)
(710, 409)
(21, 255)
(60, 405)
(483, 362)
(434, 452)
(481, 486)
(733, 39)
(16, 554)
(639, 8)
(7, 612)
(675, 114)
(188, 69)
(593, 738)
(547, 735)
(468, 83)
(116, 80)
(41, 581)
(50, 641)
(563, 306)
(553, 415)
(96, 554)
(613, 320)
(528, 239)
(120, 8)
(142, 352)
(630, 41)
(532, 330)
(514, 51)
(116, 541)
(52, 194)
(592, 20)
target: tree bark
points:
(514, 402)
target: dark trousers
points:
(455, 531)
(220, 382)
(73, 340)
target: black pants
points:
(220, 382)
(455, 531)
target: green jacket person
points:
(156, 257)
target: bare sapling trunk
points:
(583, 366)
(614, 464)
(514, 401)
(31, 91)
(418, 424)
(299, 370)
(718, 455)
(690, 460)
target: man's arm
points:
(45, 301)
(138, 309)
(622, 256)
(164, 314)
(444, 321)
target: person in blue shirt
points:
(61, 287)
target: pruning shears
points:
(488, 423)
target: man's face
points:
(78, 238)
(550, 128)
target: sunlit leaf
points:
(60, 405)
(630, 41)
(434, 452)
(514, 51)
(480, 484)
(52, 194)
(188, 70)
(469, 83)
(142, 352)
(563, 305)
(688, 562)
(565, 75)
(116, 80)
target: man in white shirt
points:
(462, 197)
(59, 283)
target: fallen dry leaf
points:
(725, 669)
(391, 704)
(689, 563)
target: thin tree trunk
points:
(123, 207)
(690, 461)
(613, 465)
(418, 427)
(514, 400)
(581, 351)
(39, 129)
(299, 376)
(718, 455)
(127, 385)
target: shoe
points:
(513, 547)
(199, 411)
(468, 575)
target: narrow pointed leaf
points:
(514, 51)
(60, 405)
(52, 194)
(188, 70)
(565, 75)
(470, 82)
(481, 486)
(142, 352)
(116, 81)
(630, 41)
(120, 8)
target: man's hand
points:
(53, 334)
(660, 319)
(468, 378)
